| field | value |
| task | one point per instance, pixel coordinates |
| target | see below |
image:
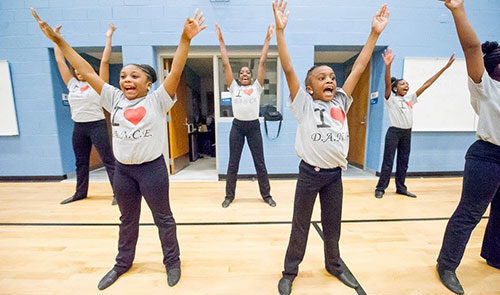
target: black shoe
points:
(71, 199)
(450, 280)
(379, 194)
(347, 279)
(407, 193)
(108, 279)
(114, 202)
(493, 264)
(226, 202)
(270, 201)
(285, 286)
(173, 276)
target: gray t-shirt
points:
(322, 138)
(83, 102)
(246, 100)
(401, 110)
(138, 125)
(485, 100)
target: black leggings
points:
(250, 130)
(328, 183)
(481, 186)
(400, 140)
(150, 180)
(84, 135)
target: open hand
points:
(388, 57)
(46, 29)
(219, 33)
(270, 31)
(280, 16)
(193, 25)
(380, 19)
(110, 31)
(453, 4)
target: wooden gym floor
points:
(390, 245)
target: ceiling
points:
(333, 56)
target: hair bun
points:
(488, 47)
(393, 79)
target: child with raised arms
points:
(322, 143)
(139, 128)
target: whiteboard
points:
(445, 105)
(8, 118)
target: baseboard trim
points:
(254, 176)
(38, 178)
(430, 174)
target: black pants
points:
(84, 135)
(150, 180)
(481, 186)
(400, 139)
(250, 130)
(328, 183)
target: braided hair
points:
(147, 69)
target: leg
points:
(491, 242)
(480, 185)
(305, 196)
(82, 146)
(236, 141)
(154, 187)
(100, 139)
(404, 146)
(391, 143)
(330, 197)
(128, 196)
(254, 137)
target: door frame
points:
(213, 52)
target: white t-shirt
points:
(485, 100)
(138, 125)
(322, 135)
(83, 102)
(401, 110)
(246, 100)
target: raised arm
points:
(468, 40)
(106, 54)
(281, 19)
(192, 27)
(388, 59)
(61, 62)
(225, 58)
(434, 78)
(263, 56)
(379, 23)
(80, 64)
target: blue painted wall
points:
(416, 29)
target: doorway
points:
(191, 127)
(341, 60)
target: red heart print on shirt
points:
(409, 104)
(135, 116)
(248, 91)
(84, 88)
(337, 114)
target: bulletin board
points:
(8, 117)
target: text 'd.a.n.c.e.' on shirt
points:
(322, 138)
(138, 125)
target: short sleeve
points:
(299, 104)
(477, 90)
(258, 87)
(344, 99)
(412, 98)
(108, 95)
(72, 82)
(163, 100)
(234, 87)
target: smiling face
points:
(245, 76)
(134, 82)
(322, 83)
(401, 88)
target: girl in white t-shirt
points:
(398, 137)
(139, 127)
(90, 127)
(481, 181)
(246, 104)
(322, 143)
